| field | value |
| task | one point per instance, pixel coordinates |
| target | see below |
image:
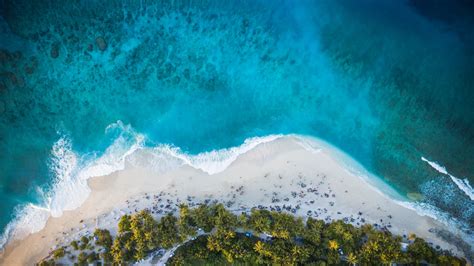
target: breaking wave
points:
(71, 171)
(462, 184)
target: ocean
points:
(84, 83)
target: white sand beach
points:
(280, 175)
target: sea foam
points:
(462, 184)
(71, 171)
(214, 161)
(69, 188)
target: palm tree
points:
(333, 245)
(258, 247)
(352, 259)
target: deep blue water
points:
(388, 82)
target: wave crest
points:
(71, 171)
(462, 184)
(214, 161)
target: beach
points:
(282, 174)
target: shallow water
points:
(386, 82)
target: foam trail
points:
(215, 161)
(69, 188)
(63, 194)
(29, 219)
(462, 184)
(115, 155)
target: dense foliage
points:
(261, 237)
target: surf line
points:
(462, 184)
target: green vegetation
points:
(59, 253)
(75, 245)
(82, 258)
(103, 238)
(49, 262)
(261, 237)
(84, 243)
(92, 257)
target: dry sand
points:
(280, 175)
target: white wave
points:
(436, 166)
(215, 161)
(28, 219)
(462, 184)
(68, 190)
(69, 187)
(115, 155)
(65, 191)
(71, 171)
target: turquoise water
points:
(387, 82)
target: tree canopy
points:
(258, 237)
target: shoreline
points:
(279, 174)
